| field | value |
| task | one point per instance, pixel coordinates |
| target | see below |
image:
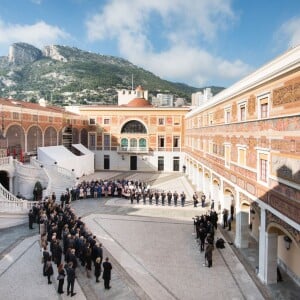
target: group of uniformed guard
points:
(160, 197)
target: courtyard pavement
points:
(152, 249)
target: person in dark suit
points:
(208, 253)
(70, 279)
(31, 219)
(107, 273)
(175, 196)
(97, 268)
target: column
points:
(262, 245)
(271, 258)
(241, 225)
(11, 184)
(220, 201)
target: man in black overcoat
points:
(107, 273)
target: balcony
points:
(125, 149)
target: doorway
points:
(133, 163)
(4, 180)
(106, 162)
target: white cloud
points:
(185, 25)
(38, 34)
(289, 33)
(37, 1)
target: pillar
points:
(242, 229)
(271, 258)
(262, 245)
(267, 253)
(11, 184)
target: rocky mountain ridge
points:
(66, 75)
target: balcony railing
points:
(126, 149)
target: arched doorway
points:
(50, 138)
(15, 140)
(206, 186)
(215, 194)
(34, 138)
(228, 199)
(4, 180)
(280, 249)
(242, 222)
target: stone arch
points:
(50, 136)
(281, 252)
(15, 136)
(228, 198)
(34, 138)
(206, 186)
(216, 193)
(134, 126)
(4, 179)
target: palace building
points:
(241, 148)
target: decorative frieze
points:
(251, 105)
(289, 208)
(287, 94)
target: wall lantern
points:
(287, 242)
(123, 157)
(252, 211)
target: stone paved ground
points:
(152, 249)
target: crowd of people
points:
(136, 191)
(205, 226)
(66, 243)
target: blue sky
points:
(197, 42)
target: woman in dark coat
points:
(49, 270)
(61, 278)
(106, 273)
(97, 268)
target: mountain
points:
(62, 74)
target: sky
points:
(196, 42)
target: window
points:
(50, 119)
(227, 156)
(106, 142)
(92, 140)
(176, 143)
(35, 118)
(210, 119)
(142, 143)
(124, 144)
(242, 112)
(92, 121)
(241, 156)
(161, 121)
(160, 163)
(263, 169)
(227, 115)
(161, 141)
(176, 120)
(264, 110)
(176, 163)
(133, 127)
(263, 106)
(133, 143)
(106, 121)
(16, 116)
(215, 149)
(263, 166)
